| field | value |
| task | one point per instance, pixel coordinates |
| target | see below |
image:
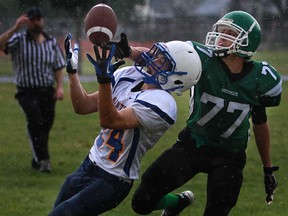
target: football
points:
(100, 24)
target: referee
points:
(38, 63)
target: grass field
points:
(28, 193)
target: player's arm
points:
(261, 133)
(270, 86)
(262, 139)
(109, 116)
(21, 21)
(83, 103)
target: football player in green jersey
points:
(232, 89)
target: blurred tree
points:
(124, 9)
(26, 4)
(75, 9)
(282, 6)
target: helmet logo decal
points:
(227, 20)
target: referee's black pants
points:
(38, 105)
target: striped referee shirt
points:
(34, 63)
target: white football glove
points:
(71, 55)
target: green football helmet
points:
(247, 41)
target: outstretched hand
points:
(270, 183)
(123, 50)
(71, 55)
(103, 66)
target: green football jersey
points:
(221, 102)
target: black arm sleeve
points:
(259, 115)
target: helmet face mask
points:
(247, 41)
(151, 68)
(173, 66)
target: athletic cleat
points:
(45, 166)
(186, 198)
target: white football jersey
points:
(119, 151)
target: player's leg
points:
(97, 198)
(171, 169)
(74, 182)
(97, 192)
(223, 188)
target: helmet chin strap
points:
(222, 53)
(248, 54)
(226, 52)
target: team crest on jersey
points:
(227, 91)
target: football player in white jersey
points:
(232, 90)
(135, 109)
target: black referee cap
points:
(34, 12)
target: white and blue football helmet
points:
(184, 68)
